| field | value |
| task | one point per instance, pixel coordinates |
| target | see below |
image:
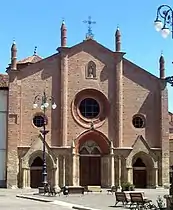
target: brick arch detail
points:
(96, 136)
(39, 153)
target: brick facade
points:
(122, 89)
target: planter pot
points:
(131, 188)
(125, 189)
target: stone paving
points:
(9, 201)
(101, 201)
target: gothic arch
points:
(36, 150)
(143, 173)
(142, 149)
(100, 139)
(90, 147)
(146, 157)
(39, 153)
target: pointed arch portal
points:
(90, 164)
(142, 170)
(139, 174)
(91, 146)
(36, 173)
(36, 168)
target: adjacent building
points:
(3, 127)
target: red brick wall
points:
(141, 95)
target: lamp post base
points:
(40, 190)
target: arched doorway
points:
(36, 173)
(139, 174)
(90, 164)
(92, 146)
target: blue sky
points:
(37, 23)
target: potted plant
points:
(127, 186)
(160, 203)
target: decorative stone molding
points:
(100, 139)
(36, 150)
(140, 147)
(103, 105)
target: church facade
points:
(110, 125)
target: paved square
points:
(105, 201)
(102, 201)
(9, 201)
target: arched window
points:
(91, 70)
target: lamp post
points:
(43, 101)
(164, 24)
(164, 20)
(171, 187)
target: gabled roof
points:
(91, 42)
(30, 59)
(141, 138)
(146, 72)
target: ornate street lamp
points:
(164, 24)
(171, 187)
(43, 101)
(164, 20)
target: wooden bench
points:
(138, 200)
(94, 189)
(121, 197)
(73, 190)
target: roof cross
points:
(35, 50)
(89, 34)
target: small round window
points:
(89, 108)
(38, 121)
(138, 121)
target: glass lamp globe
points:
(54, 106)
(42, 107)
(165, 32)
(35, 105)
(46, 105)
(158, 25)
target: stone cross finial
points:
(35, 50)
(89, 34)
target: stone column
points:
(63, 171)
(112, 167)
(64, 95)
(75, 169)
(130, 174)
(26, 178)
(56, 174)
(119, 171)
(156, 176)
